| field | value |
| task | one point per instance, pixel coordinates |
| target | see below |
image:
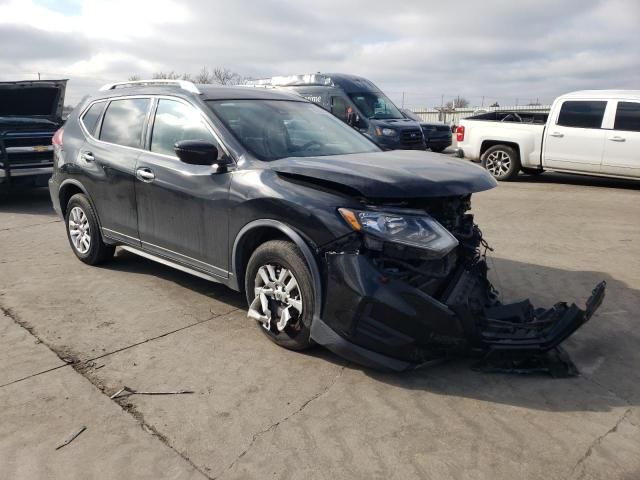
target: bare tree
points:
(204, 76)
(166, 75)
(220, 75)
(133, 78)
(224, 76)
(458, 102)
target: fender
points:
(296, 238)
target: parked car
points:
(372, 254)
(357, 102)
(594, 132)
(437, 135)
(30, 113)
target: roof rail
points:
(183, 84)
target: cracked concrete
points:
(579, 467)
(260, 411)
(275, 425)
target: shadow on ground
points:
(28, 201)
(581, 180)
(131, 263)
(605, 350)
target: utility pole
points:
(402, 99)
(38, 75)
(482, 105)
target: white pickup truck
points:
(594, 132)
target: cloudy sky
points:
(500, 49)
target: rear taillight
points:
(57, 137)
(460, 133)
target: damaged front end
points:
(401, 293)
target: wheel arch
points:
(68, 189)
(487, 144)
(256, 233)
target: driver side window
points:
(174, 122)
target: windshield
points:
(375, 105)
(273, 129)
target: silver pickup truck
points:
(30, 113)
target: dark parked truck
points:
(30, 113)
(372, 254)
(437, 135)
(357, 102)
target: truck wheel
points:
(502, 162)
(280, 294)
(84, 233)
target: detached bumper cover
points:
(387, 324)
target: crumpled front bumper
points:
(384, 323)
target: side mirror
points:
(196, 152)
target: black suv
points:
(372, 254)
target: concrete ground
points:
(72, 335)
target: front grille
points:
(411, 138)
(25, 159)
(30, 159)
(27, 139)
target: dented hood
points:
(37, 98)
(392, 174)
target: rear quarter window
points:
(124, 121)
(91, 117)
(628, 117)
(582, 114)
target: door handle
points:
(88, 157)
(617, 139)
(145, 174)
(557, 134)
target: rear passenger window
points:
(91, 116)
(628, 117)
(124, 121)
(582, 114)
(175, 122)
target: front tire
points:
(280, 295)
(83, 232)
(502, 162)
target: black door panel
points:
(182, 208)
(109, 179)
(182, 212)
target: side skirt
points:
(175, 265)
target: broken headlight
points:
(418, 231)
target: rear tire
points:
(83, 232)
(502, 162)
(278, 279)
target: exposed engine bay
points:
(411, 306)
